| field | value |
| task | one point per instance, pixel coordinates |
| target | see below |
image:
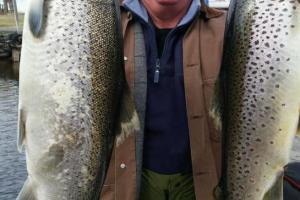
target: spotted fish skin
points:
(258, 94)
(72, 85)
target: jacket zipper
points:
(157, 65)
(157, 71)
(158, 61)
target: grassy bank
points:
(8, 20)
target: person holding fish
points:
(78, 102)
(73, 97)
(173, 51)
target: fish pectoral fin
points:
(298, 129)
(128, 117)
(21, 130)
(27, 192)
(36, 15)
(276, 191)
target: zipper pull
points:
(156, 72)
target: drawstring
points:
(292, 182)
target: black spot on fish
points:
(258, 140)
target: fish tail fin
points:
(128, 117)
(276, 191)
(27, 192)
(21, 130)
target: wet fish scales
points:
(259, 94)
(72, 85)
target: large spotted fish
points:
(258, 96)
(72, 92)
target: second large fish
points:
(72, 86)
(259, 90)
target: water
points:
(12, 163)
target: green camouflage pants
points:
(157, 186)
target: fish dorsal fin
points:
(35, 19)
(128, 120)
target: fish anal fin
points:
(27, 192)
(128, 117)
(21, 130)
(36, 15)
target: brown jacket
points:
(202, 52)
